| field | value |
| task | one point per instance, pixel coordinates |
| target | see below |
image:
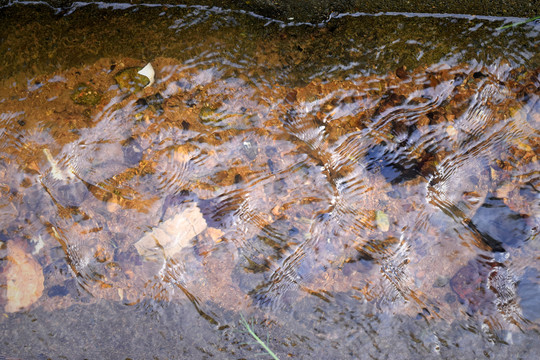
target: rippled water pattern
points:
(380, 200)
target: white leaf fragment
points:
(171, 236)
(149, 72)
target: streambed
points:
(360, 186)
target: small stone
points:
(401, 73)
(129, 80)
(470, 285)
(503, 191)
(133, 152)
(208, 115)
(215, 234)
(70, 194)
(276, 210)
(84, 94)
(451, 131)
(499, 225)
(250, 150)
(441, 281)
(472, 198)
(450, 298)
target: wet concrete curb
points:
(318, 10)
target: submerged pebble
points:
(84, 94)
(208, 115)
(69, 194)
(441, 281)
(129, 80)
(470, 285)
(133, 152)
(529, 292)
(393, 166)
(499, 225)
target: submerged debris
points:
(134, 79)
(171, 236)
(24, 278)
(149, 72)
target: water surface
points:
(367, 186)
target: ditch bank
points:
(319, 10)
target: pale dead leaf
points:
(24, 278)
(171, 236)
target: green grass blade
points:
(259, 341)
(519, 23)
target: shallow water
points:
(367, 186)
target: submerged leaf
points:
(24, 278)
(149, 72)
(172, 235)
(382, 221)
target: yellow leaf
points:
(382, 221)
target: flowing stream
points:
(366, 187)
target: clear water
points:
(367, 187)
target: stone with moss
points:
(84, 94)
(129, 80)
(208, 115)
